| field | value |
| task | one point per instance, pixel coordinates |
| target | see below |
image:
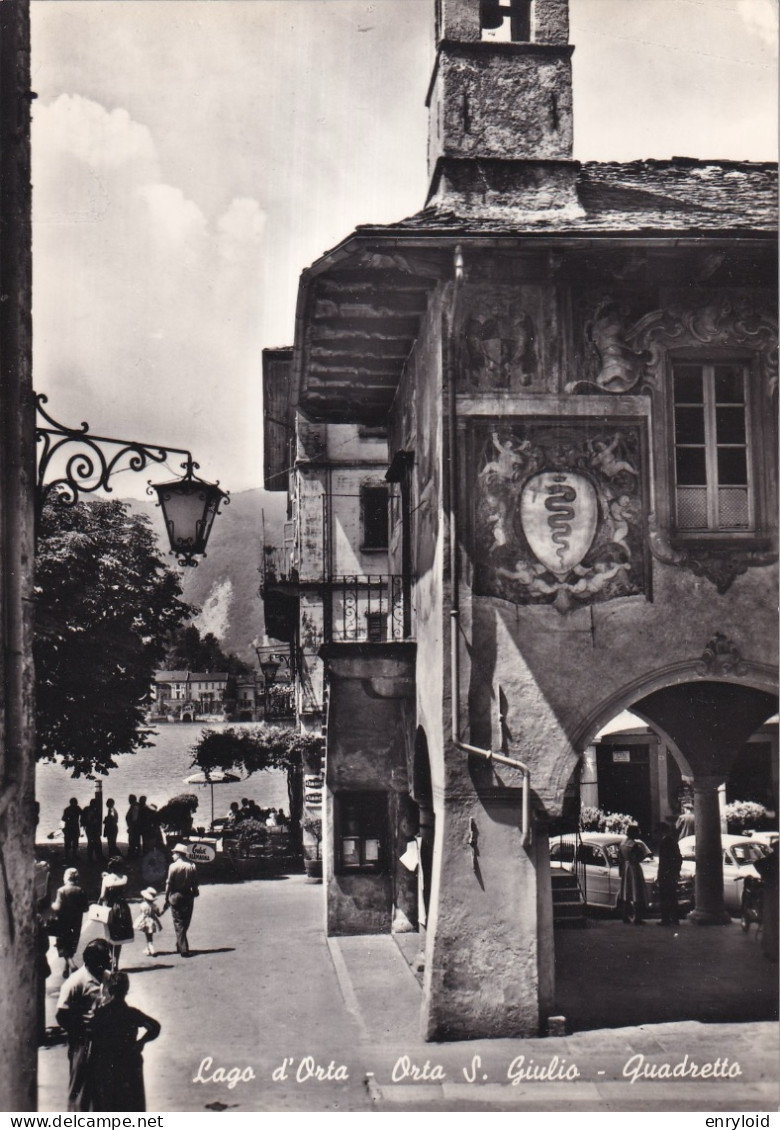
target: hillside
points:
(225, 583)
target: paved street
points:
(268, 995)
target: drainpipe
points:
(488, 754)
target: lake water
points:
(157, 773)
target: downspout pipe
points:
(488, 754)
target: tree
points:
(187, 650)
(104, 605)
(251, 750)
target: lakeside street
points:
(272, 1016)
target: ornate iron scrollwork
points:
(90, 467)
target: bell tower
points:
(500, 104)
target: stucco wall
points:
(367, 747)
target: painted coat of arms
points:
(558, 512)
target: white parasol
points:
(213, 777)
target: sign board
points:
(201, 853)
(313, 782)
(619, 755)
(312, 798)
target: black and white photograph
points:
(388, 559)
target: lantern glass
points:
(269, 667)
(189, 507)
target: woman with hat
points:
(118, 929)
(181, 890)
(148, 920)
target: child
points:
(148, 921)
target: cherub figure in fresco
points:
(604, 459)
(622, 511)
(511, 459)
(597, 578)
(496, 518)
(529, 574)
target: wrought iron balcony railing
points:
(366, 608)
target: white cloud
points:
(145, 306)
(241, 229)
(760, 16)
(173, 217)
(100, 138)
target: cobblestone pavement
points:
(306, 1023)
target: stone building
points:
(565, 377)
(17, 479)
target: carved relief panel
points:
(558, 511)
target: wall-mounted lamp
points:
(189, 504)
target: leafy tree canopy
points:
(252, 749)
(105, 603)
(187, 650)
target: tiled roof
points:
(193, 676)
(676, 196)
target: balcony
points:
(367, 609)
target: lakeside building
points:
(528, 438)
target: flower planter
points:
(313, 868)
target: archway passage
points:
(709, 722)
(422, 794)
(612, 975)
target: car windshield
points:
(747, 853)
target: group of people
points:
(632, 881)
(104, 1045)
(248, 810)
(141, 819)
(113, 912)
(106, 1036)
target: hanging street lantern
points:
(189, 507)
(73, 461)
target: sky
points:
(192, 157)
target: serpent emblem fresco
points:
(558, 513)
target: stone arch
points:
(757, 677)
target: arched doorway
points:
(610, 974)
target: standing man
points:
(71, 819)
(133, 821)
(669, 865)
(111, 828)
(686, 824)
(181, 890)
(90, 818)
(79, 997)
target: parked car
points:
(768, 839)
(739, 854)
(595, 859)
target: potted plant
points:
(249, 838)
(313, 864)
(176, 817)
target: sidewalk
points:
(309, 1023)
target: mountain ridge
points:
(225, 584)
